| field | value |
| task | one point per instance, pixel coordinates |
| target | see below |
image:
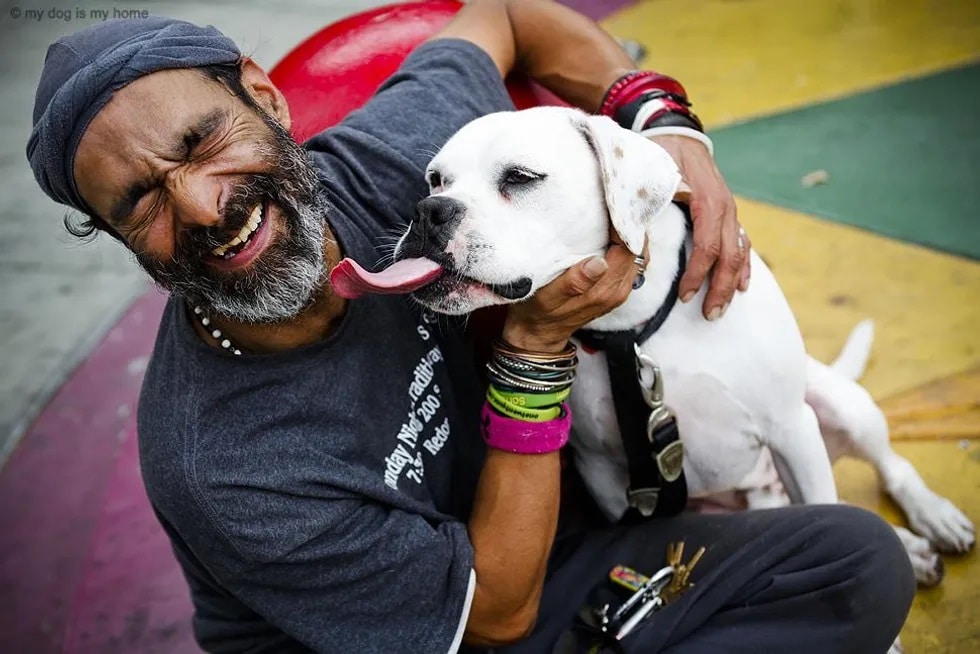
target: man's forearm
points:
(561, 49)
(565, 52)
(512, 529)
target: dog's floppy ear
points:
(639, 178)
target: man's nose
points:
(196, 199)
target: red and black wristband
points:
(628, 95)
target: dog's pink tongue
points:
(351, 281)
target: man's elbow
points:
(500, 629)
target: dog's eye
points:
(518, 176)
(435, 179)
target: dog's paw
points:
(896, 647)
(772, 496)
(944, 525)
(926, 564)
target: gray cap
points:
(83, 70)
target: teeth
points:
(253, 222)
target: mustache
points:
(255, 189)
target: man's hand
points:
(589, 289)
(721, 246)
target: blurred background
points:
(847, 128)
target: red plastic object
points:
(339, 68)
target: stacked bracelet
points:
(643, 100)
(514, 369)
(525, 411)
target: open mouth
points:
(242, 238)
(247, 243)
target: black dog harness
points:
(653, 450)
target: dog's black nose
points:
(439, 211)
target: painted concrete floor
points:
(83, 567)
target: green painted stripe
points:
(903, 161)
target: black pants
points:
(828, 579)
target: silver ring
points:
(640, 261)
(741, 238)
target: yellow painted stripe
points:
(946, 409)
(943, 620)
(756, 57)
(925, 307)
(924, 303)
(753, 57)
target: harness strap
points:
(649, 491)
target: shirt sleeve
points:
(350, 575)
(379, 153)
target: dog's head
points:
(516, 198)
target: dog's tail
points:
(854, 357)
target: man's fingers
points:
(580, 278)
(707, 247)
(728, 269)
(743, 282)
(623, 270)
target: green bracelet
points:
(530, 400)
(521, 413)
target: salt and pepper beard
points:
(283, 279)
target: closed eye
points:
(434, 178)
(514, 177)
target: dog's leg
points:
(851, 419)
(763, 489)
(853, 425)
(926, 564)
(800, 457)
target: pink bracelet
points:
(632, 85)
(520, 437)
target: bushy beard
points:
(285, 278)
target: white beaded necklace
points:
(216, 333)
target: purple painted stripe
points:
(597, 9)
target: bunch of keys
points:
(679, 583)
(649, 593)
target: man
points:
(317, 463)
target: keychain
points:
(614, 620)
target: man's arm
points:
(515, 514)
(554, 45)
(575, 59)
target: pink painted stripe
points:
(74, 523)
(132, 597)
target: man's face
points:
(214, 197)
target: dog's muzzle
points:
(436, 219)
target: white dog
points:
(519, 197)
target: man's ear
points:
(639, 178)
(264, 92)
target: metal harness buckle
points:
(670, 460)
(644, 500)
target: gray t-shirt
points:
(317, 498)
